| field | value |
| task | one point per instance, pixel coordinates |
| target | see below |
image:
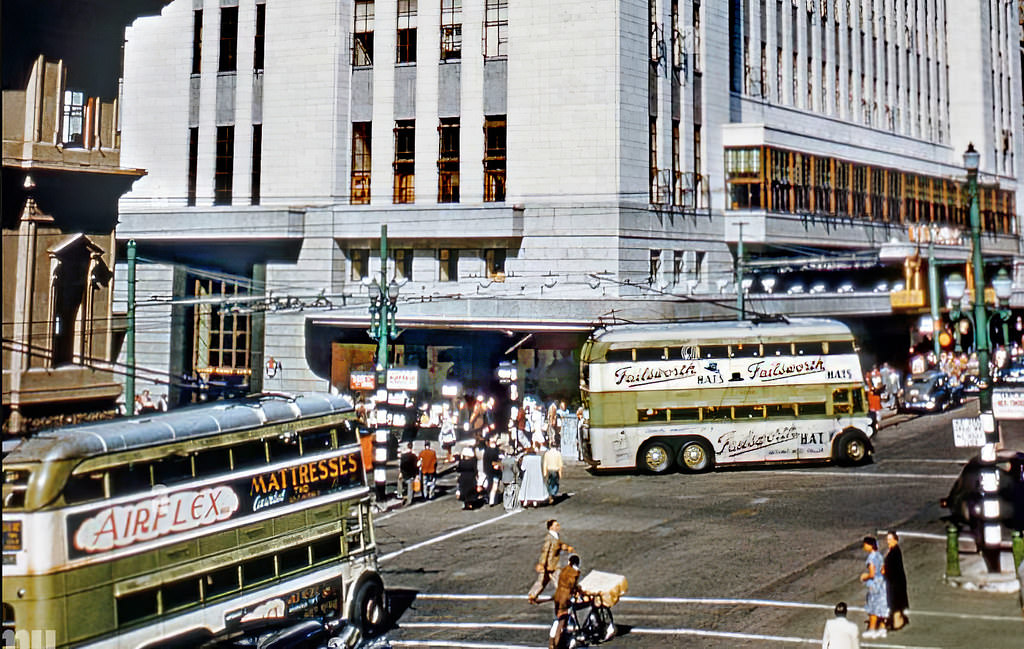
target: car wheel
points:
(369, 608)
(696, 456)
(852, 448)
(655, 457)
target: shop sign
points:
(967, 432)
(403, 379)
(362, 381)
(1008, 403)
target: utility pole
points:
(129, 340)
(933, 294)
(740, 304)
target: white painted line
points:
(455, 644)
(861, 474)
(710, 601)
(443, 537)
(915, 535)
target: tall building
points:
(542, 167)
(62, 177)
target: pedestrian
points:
(408, 469)
(554, 426)
(565, 589)
(548, 565)
(492, 469)
(522, 439)
(551, 465)
(466, 469)
(447, 437)
(896, 582)
(428, 471)
(538, 426)
(840, 633)
(532, 491)
(877, 604)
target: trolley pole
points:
(740, 305)
(129, 340)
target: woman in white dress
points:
(533, 490)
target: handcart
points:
(590, 616)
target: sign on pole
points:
(1008, 403)
(968, 432)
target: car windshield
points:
(923, 382)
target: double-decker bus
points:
(166, 530)
(697, 395)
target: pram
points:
(590, 616)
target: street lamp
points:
(1002, 286)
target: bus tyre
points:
(695, 456)
(369, 610)
(655, 457)
(852, 448)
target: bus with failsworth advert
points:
(178, 528)
(703, 394)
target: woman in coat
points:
(467, 478)
(533, 490)
(896, 581)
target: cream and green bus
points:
(174, 529)
(705, 394)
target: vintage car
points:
(931, 391)
(964, 499)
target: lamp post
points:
(1002, 285)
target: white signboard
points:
(968, 432)
(728, 372)
(1008, 403)
(402, 379)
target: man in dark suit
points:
(567, 587)
(547, 565)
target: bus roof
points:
(70, 442)
(722, 331)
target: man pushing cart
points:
(594, 595)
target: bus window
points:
(840, 347)
(353, 530)
(315, 441)
(221, 582)
(17, 482)
(84, 487)
(283, 446)
(778, 349)
(213, 461)
(136, 606)
(749, 350)
(688, 352)
(858, 400)
(807, 349)
(748, 412)
(714, 412)
(180, 594)
(651, 354)
(248, 455)
(257, 570)
(805, 409)
(8, 617)
(619, 356)
(841, 401)
(786, 410)
(292, 560)
(651, 414)
(172, 470)
(684, 414)
(714, 351)
(130, 478)
(326, 549)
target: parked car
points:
(931, 391)
(1012, 374)
(964, 499)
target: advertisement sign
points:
(403, 379)
(1008, 403)
(166, 513)
(362, 381)
(968, 432)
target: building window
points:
(494, 159)
(197, 39)
(228, 39)
(654, 266)
(448, 263)
(360, 163)
(494, 262)
(220, 338)
(677, 166)
(359, 263)
(496, 29)
(225, 165)
(652, 146)
(257, 160)
(403, 263)
(406, 31)
(193, 163)
(405, 161)
(448, 161)
(698, 178)
(258, 40)
(451, 30)
(362, 34)
(73, 114)
(677, 266)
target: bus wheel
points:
(695, 456)
(852, 448)
(655, 457)
(369, 612)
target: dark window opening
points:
(403, 263)
(84, 487)
(220, 582)
(405, 161)
(362, 34)
(257, 160)
(406, 41)
(359, 263)
(172, 469)
(136, 606)
(292, 560)
(448, 260)
(807, 349)
(193, 164)
(448, 161)
(361, 163)
(180, 594)
(283, 447)
(258, 40)
(326, 549)
(228, 39)
(197, 40)
(649, 354)
(619, 356)
(714, 351)
(250, 454)
(257, 570)
(494, 261)
(494, 159)
(222, 179)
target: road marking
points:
(861, 474)
(443, 537)
(681, 631)
(712, 601)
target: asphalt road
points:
(734, 558)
